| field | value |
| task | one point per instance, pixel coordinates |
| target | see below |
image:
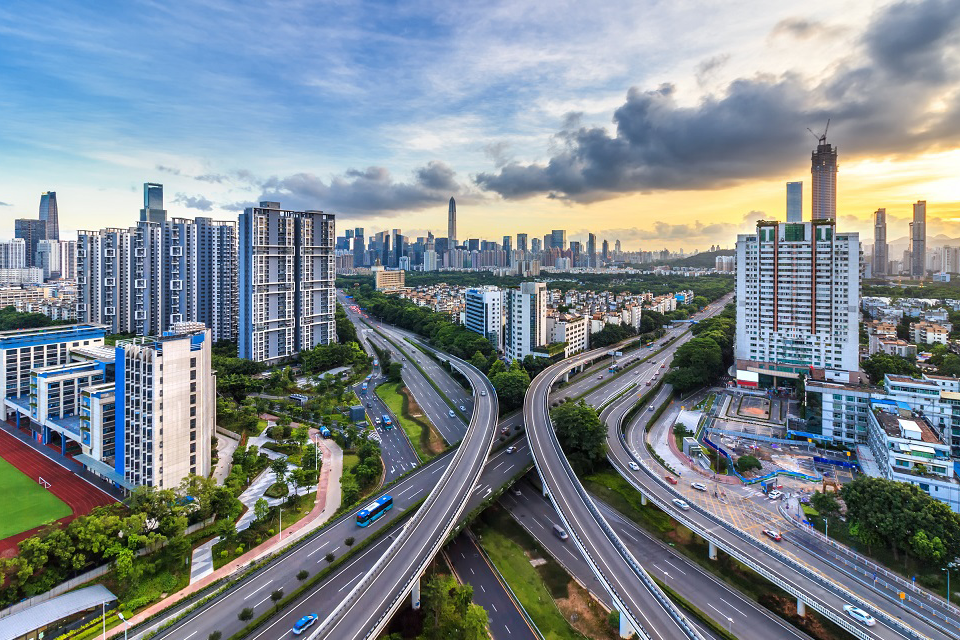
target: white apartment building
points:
(632, 314)
(165, 406)
(287, 272)
(483, 313)
(798, 286)
(928, 333)
(525, 311)
(13, 254)
(572, 329)
(28, 275)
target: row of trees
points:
(703, 359)
(115, 533)
(11, 319)
(447, 612)
(897, 514)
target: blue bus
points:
(363, 388)
(374, 510)
(387, 422)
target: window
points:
(193, 460)
(193, 447)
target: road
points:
(770, 561)
(641, 604)
(710, 595)
(367, 609)
(471, 566)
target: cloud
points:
(171, 170)
(194, 202)
(756, 127)
(670, 232)
(5, 204)
(371, 191)
(802, 28)
(708, 68)
(212, 178)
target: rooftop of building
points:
(52, 330)
(909, 380)
(900, 422)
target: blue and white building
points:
(483, 313)
(286, 277)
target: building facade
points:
(795, 202)
(483, 313)
(918, 240)
(286, 275)
(798, 288)
(31, 232)
(525, 313)
(153, 210)
(881, 259)
(823, 172)
(452, 224)
(50, 215)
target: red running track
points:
(81, 496)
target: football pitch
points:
(25, 504)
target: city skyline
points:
(504, 155)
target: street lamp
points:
(126, 624)
(948, 568)
(103, 616)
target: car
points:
(483, 392)
(600, 377)
(404, 359)
(462, 408)
(559, 532)
(511, 449)
(516, 491)
(670, 479)
(774, 495)
(636, 373)
(451, 413)
(650, 408)
(648, 382)
(304, 623)
(772, 534)
(504, 430)
(663, 366)
(633, 465)
(699, 486)
(378, 420)
(680, 504)
(859, 615)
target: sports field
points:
(24, 503)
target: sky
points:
(662, 123)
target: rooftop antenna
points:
(823, 137)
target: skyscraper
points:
(32, 232)
(507, 243)
(918, 240)
(153, 210)
(558, 239)
(798, 289)
(525, 313)
(794, 202)
(286, 282)
(823, 170)
(452, 224)
(48, 213)
(591, 250)
(483, 313)
(521, 242)
(880, 249)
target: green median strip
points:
(418, 429)
(697, 613)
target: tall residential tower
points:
(287, 271)
(794, 202)
(153, 210)
(823, 171)
(880, 249)
(918, 240)
(452, 224)
(49, 214)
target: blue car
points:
(305, 623)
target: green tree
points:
(511, 386)
(276, 597)
(581, 434)
(279, 468)
(825, 503)
(880, 364)
(746, 463)
(479, 361)
(394, 372)
(696, 363)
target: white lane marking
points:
(190, 636)
(735, 609)
(260, 587)
(318, 548)
(680, 570)
(261, 602)
(349, 582)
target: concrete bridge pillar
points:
(713, 550)
(801, 608)
(566, 377)
(643, 500)
(415, 595)
(626, 629)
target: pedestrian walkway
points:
(226, 445)
(328, 501)
(201, 565)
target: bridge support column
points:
(801, 608)
(415, 595)
(643, 500)
(713, 551)
(566, 377)
(626, 630)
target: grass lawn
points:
(418, 429)
(26, 504)
(612, 488)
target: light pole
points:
(103, 616)
(729, 624)
(125, 623)
(948, 568)
(826, 527)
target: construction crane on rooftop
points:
(823, 137)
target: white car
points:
(774, 495)
(699, 486)
(680, 504)
(633, 465)
(483, 392)
(859, 615)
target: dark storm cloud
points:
(194, 202)
(879, 104)
(372, 191)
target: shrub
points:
(214, 635)
(276, 490)
(240, 550)
(348, 541)
(302, 575)
(746, 463)
(329, 557)
(245, 614)
(276, 596)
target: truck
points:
(324, 432)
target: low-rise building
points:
(388, 280)
(928, 333)
(572, 329)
